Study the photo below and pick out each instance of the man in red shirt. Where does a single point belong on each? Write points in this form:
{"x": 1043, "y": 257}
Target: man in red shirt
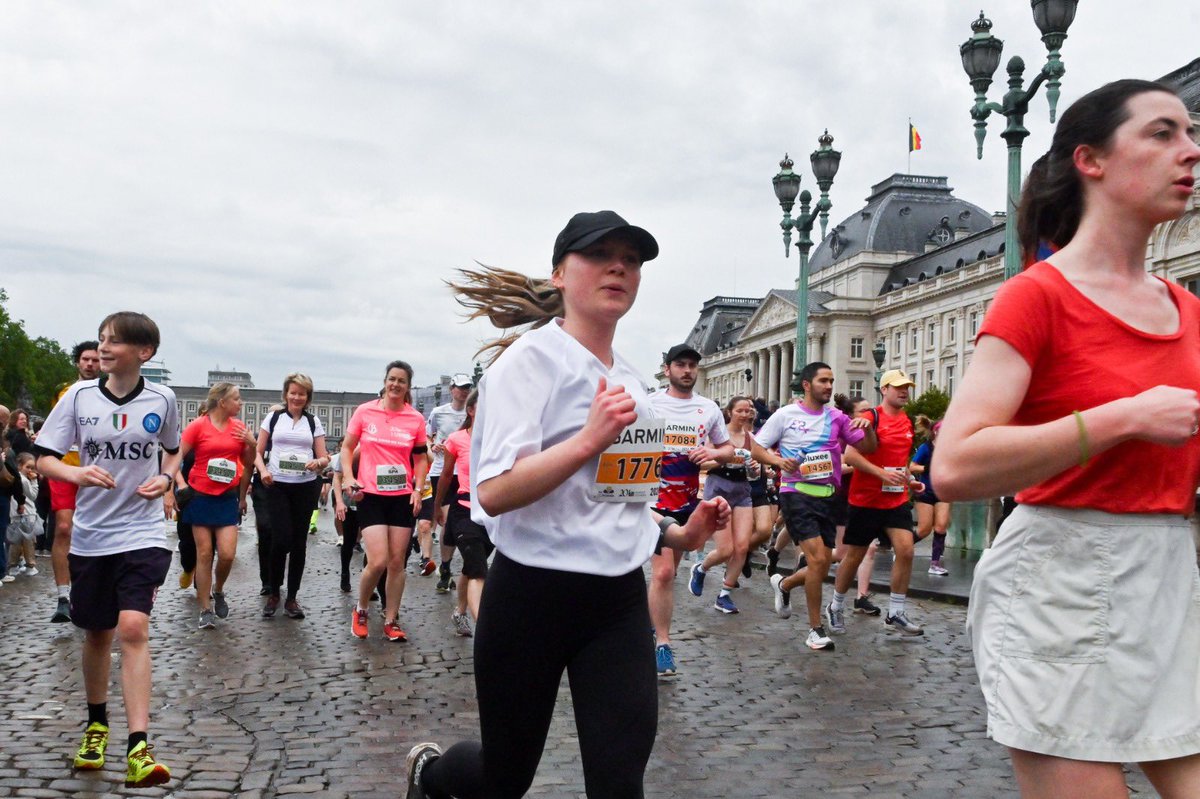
{"x": 879, "y": 505}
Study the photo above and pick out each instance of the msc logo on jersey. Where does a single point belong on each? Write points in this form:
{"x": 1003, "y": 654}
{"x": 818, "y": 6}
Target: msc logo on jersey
{"x": 125, "y": 451}
{"x": 120, "y": 421}
{"x": 151, "y": 422}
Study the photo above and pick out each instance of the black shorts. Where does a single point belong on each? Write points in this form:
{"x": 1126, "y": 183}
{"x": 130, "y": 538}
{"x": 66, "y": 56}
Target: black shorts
{"x": 377, "y": 509}
{"x": 472, "y": 541}
{"x": 841, "y": 508}
{"x": 864, "y": 525}
{"x": 680, "y": 516}
{"x": 104, "y": 585}
{"x": 426, "y": 513}
{"x": 808, "y": 517}
{"x": 928, "y": 498}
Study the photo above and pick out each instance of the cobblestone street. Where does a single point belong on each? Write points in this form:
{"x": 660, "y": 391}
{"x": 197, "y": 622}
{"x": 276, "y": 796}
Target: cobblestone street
{"x": 264, "y": 708}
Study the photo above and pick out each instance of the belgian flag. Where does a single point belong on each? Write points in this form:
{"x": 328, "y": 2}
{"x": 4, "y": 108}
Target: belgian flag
{"x": 914, "y": 138}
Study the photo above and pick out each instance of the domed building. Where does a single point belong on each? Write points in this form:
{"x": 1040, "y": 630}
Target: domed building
{"x": 910, "y": 276}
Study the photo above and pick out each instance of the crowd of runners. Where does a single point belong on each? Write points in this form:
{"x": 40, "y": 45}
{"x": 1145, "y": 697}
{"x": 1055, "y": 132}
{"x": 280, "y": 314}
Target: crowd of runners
{"x": 560, "y": 476}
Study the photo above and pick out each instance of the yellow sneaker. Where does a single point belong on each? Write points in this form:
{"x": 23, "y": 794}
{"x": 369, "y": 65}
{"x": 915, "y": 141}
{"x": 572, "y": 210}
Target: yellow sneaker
{"x": 143, "y": 770}
{"x": 91, "y": 752}
{"x": 185, "y": 580}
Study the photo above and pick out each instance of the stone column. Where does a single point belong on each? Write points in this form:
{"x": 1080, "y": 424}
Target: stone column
{"x": 773, "y": 379}
{"x": 787, "y": 356}
{"x": 760, "y": 373}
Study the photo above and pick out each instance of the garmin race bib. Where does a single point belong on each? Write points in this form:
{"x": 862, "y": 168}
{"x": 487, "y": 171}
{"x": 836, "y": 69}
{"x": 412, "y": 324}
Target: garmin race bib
{"x": 816, "y": 466}
{"x": 292, "y": 464}
{"x": 221, "y": 470}
{"x": 391, "y": 477}
{"x": 890, "y": 489}
{"x": 629, "y": 469}
{"x": 680, "y": 437}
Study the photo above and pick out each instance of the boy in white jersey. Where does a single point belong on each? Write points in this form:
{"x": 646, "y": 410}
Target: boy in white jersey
{"x": 119, "y": 554}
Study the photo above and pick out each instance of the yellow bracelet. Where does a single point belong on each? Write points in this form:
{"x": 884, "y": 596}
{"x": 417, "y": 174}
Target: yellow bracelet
{"x": 1085, "y": 450}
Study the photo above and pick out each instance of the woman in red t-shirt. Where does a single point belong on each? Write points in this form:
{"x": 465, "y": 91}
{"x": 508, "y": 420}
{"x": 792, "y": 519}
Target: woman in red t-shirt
{"x": 1082, "y": 397}
{"x": 218, "y": 480}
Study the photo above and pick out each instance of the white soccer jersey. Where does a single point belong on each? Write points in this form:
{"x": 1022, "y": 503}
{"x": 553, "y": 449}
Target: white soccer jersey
{"x": 443, "y": 421}
{"x": 123, "y": 437}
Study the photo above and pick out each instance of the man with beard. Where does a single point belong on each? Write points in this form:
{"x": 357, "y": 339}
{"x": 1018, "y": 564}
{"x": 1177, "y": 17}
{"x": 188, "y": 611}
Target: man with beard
{"x": 694, "y": 433}
{"x": 879, "y": 505}
{"x": 86, "y": 356}
{"x": 810, "y": 436}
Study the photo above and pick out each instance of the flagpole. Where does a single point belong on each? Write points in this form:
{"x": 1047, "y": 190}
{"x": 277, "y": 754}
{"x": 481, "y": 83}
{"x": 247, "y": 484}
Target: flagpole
{"x": 910, "y": 145}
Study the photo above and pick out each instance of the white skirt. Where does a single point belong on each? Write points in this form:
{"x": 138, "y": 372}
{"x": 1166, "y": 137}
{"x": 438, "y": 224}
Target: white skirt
{"x": 1085, "y": 627}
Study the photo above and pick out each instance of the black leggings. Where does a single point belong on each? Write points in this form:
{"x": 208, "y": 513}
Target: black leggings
{"x": 533, "y": 624}
{"x": 187, "y": 546}
{"x": 289, "y": 508}
{"x": 349, "y": 539}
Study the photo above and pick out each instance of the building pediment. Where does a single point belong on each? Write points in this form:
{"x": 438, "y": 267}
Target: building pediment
{"x": 774, "y": 312}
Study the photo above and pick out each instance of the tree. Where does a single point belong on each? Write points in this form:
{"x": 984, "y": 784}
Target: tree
{"x": 932, "y": 403}
{"x": 31, "y": 370}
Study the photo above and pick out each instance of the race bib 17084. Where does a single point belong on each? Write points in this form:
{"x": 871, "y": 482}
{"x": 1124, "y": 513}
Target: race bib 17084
{"x": 680, "y": 437}
{"x": 629, "y": 469}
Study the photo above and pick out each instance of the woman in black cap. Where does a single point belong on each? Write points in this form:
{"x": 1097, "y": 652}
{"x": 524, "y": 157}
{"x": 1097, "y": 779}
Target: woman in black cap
{"x": 563, "y": 466}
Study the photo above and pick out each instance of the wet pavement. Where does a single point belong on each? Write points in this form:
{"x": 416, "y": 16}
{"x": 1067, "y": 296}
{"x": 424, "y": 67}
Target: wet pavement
{"x": 267, "y": 708}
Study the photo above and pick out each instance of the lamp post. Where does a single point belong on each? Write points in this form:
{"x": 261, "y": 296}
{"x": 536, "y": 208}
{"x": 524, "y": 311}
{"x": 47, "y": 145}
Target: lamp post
{"x": 980, "y": 57}
{"x": 879, "y": 353}
{"x": 825, "y": 161}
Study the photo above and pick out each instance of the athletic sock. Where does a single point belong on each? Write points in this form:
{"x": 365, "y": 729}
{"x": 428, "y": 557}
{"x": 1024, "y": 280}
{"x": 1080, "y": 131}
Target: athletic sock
{"x": 700, "y": 568}
{"x": 725, "y": 590}
{"x": 98, "y": 713}
{"x": 839, "y": 600}
{"x": 64, "y": 591}
{"x": 896, "y": 604}
{"x": 136, "y": 738}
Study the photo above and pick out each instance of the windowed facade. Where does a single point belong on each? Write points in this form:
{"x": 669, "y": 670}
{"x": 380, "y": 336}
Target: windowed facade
{"x": 857, "y": 388}
{"x": 899, "y": 343}
{"x": 916, "y": 342}
{"x": 951, "y": 329}
{"x": 973, "y": 324}
{"x": 950, "y": 380}
{"x": 931, "y": 341}
{"x": 928, "y": 379}
{"x": 856, "y": 348}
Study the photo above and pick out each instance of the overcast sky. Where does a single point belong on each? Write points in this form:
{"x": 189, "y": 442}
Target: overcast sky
{"x": 287, "y": 185}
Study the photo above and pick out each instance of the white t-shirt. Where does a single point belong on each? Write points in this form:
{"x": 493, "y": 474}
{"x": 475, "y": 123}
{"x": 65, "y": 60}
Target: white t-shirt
{"x": 292, "y": 447}
{"x": 123, "y": 437}
{"x": 443, "y": 421}
{"x": 537, "y": 394}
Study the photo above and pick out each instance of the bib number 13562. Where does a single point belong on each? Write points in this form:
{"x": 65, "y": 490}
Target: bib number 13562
{"x": 629, "y": 469}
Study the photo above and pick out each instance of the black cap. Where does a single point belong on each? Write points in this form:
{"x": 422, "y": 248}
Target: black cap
{"x": 680, "y": 350}
{"x": 588, "y": 227}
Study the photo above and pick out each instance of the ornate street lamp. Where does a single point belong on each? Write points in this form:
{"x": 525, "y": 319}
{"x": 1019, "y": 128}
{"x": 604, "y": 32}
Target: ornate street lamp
{"x": 980, "y": 57}
{"x": 879, "y": 353}
{"x": 825, "y": 161}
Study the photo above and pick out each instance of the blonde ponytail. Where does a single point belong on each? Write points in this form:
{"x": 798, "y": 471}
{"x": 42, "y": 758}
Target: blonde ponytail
{"x": 509, "y": 300}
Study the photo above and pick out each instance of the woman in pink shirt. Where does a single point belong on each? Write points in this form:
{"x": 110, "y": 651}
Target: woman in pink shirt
{"x": 388, "y": 433}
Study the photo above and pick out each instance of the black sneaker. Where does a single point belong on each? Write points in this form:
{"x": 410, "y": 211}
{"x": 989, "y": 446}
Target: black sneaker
{"x": 864, "y": 605}
{"x": 418, "y": 758}
{"x": 220, "y": 605}
{"x": 266, "y": 591}
{"x": 443, "y": 583}
{"x": 345, "y": 585}
{"x": 62, "y": 613}
{"x": 772, "y": 562}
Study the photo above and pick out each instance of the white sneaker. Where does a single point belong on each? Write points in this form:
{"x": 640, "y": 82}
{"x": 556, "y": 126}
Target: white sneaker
{"x": 8, "y": 578}
{"x": 901, "y": 622}
{"x": 935, "y": 567}
{"x": 462, "y": 625}
{"x": 31, "y": 571}
{"x": 783, "y": 599}
{"x": 817, "y": 639}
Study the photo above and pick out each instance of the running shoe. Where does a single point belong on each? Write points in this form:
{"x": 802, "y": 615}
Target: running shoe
{"x": 392, "y": 632}
{"x": 31, "y": 571}
{"x": 936, "y": 568}
{"x": 144, "y": 770}
{"x": 696, "y": 583}
{"x": 62, "y": 613}
{"x": 900, "y": 622}
{"x": 8, "y": 578}
{"x": 783, "y": 599}
{"x": 293, "y": 610}
{"x": 220, "y": 606}
{"x": 358, "y": 623}
{"x": 418, "y": 758}
{"x": 772, "y": 562}
{"x": 269, "y": 608}
{"x": 208, "y": 620}
{"x": 185, "y": 580}
{"x": 91, "y": 752}
{"x": 345, "y": 586}
{"x": 428, "y": 567}
{"x": 725, "y": 604}
{"x": 864, "y": 605}
{"x": 817, "y": 639}
{"x": 443, "y": 584}
{"x": 835, "y": 620}
{"x": 665, "y": 660}
{"x": 266, "y": 591}
{"x": 462, "y": 624}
